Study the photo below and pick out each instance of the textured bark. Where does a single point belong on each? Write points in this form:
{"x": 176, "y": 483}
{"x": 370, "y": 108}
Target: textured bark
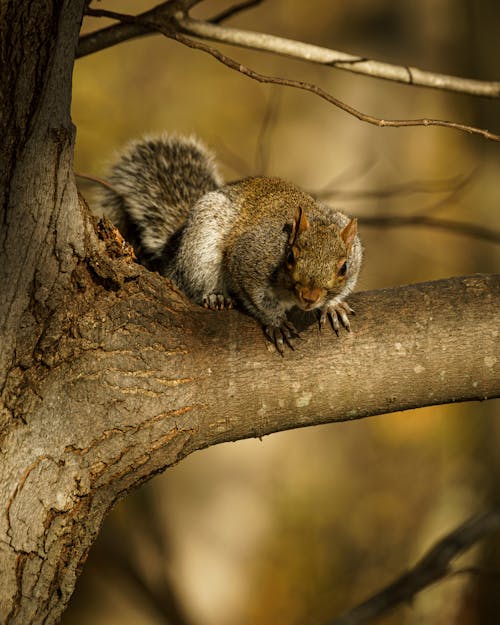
{"x": 108, "y": 375}
{"x": 41, "y": 232}
{"x": 137, "y": 378}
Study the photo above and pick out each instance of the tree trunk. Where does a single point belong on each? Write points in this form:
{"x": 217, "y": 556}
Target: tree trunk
{"x": 108, "y": 375}
{"x": 42, "y": 228}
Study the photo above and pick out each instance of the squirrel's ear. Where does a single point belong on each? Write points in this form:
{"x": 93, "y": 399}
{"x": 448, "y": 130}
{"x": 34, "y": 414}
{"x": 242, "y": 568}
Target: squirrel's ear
{"x": 299, "y": 225}
{"x": 349, "y": 232}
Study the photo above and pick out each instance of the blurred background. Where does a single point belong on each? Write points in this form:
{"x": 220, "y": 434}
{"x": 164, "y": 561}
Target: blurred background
{"x": 298, "y": 527}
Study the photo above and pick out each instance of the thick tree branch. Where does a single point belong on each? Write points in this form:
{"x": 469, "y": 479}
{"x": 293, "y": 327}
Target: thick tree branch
{"x": 433, "y": 566}
{"x": 130, "y": 378}
{"x": 108, "y": 375}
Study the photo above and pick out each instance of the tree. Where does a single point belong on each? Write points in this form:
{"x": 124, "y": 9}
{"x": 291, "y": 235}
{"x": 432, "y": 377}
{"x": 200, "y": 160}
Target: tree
{"x": 109, "y": 375}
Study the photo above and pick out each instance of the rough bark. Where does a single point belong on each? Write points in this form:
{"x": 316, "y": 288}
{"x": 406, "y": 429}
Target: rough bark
{"x": 108, "y": 375}
{"x": 137, "y": 378}
{"x": 41, "y": 232}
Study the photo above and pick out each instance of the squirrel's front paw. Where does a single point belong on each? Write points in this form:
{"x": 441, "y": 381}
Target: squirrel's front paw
{"x": 337, "y": 314}
{"x": 217, "y": 301}
{"x": 282, "y": 335}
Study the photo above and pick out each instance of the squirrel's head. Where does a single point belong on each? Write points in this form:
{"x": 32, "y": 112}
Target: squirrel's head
{"x": 317, "y": 259}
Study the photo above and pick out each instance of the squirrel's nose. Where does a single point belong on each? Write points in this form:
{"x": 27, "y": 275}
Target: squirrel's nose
{"x": 310, "y": 295}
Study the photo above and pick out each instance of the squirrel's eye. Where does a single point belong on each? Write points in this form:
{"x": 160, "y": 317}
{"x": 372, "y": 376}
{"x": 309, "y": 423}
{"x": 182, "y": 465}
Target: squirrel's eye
{"x": 290, "y": 259}
{"x": 343, "y": 269}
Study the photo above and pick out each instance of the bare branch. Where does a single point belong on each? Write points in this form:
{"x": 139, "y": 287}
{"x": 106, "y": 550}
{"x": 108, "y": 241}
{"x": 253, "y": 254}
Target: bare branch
{"x": 189, "y": 4}
{"x": 282, "y": 46}
{"x": 233, "y": 160}
{"x": 434, "y": 565}
{"x": 339, "y": 60}
{"x": 169, "y": 31}
{"x": 413, "y": 187}
{"x": 157, "y": 22}
{"x": 262, "y": 154}
{"x": 458, "y": 227}
{"x": 237, "y": 8}
{"x": 422, "y": 218}
{"x": 129, "y": 27}
{"x": 96, "y": 180}
{"x": 307, "y": 86}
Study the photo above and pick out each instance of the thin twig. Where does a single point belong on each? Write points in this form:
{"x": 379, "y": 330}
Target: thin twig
{"x": 262, "y": 155}
{"x": 307, "y": 86}
{"x": 478, "y": 571}
{"x": 279, "y": 45}
{"x": 434, "y": 566}
{"x": 230, "y": 11}
{"x": 96, "y": 180}
{"x": 129, "y": 27}
{"x": 453, "y": 195}
{"x": 474, "y": 231}
{"x": 169, "y": 31}
{"x": 233, "y": 160}
{"x": 403, "y": 189}
{"x": 339, "y": 60}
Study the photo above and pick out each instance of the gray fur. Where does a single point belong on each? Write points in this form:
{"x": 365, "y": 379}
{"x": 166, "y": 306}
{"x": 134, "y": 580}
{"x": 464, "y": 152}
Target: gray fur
{"x": 199, "y": 267}
{"x": 157, "y": 180}
{"x": 220, "y": 243}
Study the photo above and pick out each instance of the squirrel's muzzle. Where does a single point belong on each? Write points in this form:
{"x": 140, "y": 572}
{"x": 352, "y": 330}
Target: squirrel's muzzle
{"x": 309, "y": 297}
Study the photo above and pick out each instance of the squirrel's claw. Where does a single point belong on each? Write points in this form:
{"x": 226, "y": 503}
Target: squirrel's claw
{"x": 217, "y": 301}
{"x": 337, "y": 314}
{"x": 282, "y": 335}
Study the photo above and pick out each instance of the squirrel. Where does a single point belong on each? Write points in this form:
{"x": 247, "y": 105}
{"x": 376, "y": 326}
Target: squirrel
{"x": 260, "y": 243}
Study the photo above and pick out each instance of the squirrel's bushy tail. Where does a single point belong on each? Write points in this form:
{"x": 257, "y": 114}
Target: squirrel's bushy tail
{"x": 156, "y": 181}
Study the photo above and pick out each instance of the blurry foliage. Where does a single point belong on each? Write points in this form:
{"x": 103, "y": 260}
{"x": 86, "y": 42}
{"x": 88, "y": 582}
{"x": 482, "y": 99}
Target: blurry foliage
{"x": 300, "y": 526}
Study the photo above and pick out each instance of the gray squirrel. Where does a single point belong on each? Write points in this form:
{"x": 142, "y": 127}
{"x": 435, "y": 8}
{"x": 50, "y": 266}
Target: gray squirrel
{"x": 260, "y": 242}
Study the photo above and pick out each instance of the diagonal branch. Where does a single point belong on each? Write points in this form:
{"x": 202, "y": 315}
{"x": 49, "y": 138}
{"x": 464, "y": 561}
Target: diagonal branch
{"x": 233, "y": 10}
{"x": 454, "y": 184}
{"x": 311, "y": 87}
{"x": 338, "y": 60}
{"x": 472, "y": 230}
{"x": 432, "y": 567}
{"x": 129, "y": 27}
{"x": 278, "y": 45}
{"x": 170, "y": 31}
{"x": 169, "y": 28}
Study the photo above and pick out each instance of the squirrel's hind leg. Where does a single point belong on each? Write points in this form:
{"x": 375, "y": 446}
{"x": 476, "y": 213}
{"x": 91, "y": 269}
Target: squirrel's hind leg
{"x": 199, "y": 269}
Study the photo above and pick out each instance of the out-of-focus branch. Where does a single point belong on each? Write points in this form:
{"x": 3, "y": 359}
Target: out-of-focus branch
{"x": 454, "y": 184}
{"x": 475, "y": 231}
{"x": 434, "y": 565}
{"x": 237, "y": 8}
{"x": 268, "y": 122}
